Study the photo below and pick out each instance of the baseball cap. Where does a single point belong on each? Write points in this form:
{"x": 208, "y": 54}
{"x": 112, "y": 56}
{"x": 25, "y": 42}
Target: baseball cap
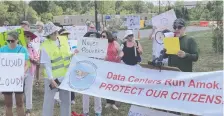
{"x": 25, "y": 22}
{"x": 179, "y": 23}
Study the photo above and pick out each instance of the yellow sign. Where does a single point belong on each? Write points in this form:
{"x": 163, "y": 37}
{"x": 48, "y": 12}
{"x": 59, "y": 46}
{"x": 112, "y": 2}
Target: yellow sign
{"x": 172, "y": 45}
{"x": 142, "y": 22}
{"x": 4, "y": 35}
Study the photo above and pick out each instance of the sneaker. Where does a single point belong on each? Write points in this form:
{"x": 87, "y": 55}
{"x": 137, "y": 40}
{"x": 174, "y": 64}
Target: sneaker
{"x": 107, "y": 105}
{"x": 73, "y": 102}
{"x": 97, "y": 114}
{"x": 114, "y": 107}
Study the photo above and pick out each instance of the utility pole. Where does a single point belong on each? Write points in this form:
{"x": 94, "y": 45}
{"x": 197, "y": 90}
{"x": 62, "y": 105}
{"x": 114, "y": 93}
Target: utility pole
{"x": 96, "y": 16}
{"x": 159, "y": 6}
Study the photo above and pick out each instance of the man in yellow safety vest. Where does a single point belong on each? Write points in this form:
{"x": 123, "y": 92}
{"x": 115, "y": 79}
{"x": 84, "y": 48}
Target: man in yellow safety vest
{"x": 55, "y": 55}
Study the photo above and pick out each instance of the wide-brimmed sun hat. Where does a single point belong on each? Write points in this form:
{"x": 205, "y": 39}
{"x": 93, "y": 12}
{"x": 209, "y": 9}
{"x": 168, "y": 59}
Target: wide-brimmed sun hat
{"x": 50, "y": 28}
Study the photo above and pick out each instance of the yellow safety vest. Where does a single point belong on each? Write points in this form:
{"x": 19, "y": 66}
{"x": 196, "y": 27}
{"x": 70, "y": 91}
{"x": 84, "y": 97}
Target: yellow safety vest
{"x": 60, "y": 56}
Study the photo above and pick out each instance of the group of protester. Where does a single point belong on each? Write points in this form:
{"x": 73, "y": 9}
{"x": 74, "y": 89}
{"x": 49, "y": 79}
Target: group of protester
{"x": 55, "y": 56}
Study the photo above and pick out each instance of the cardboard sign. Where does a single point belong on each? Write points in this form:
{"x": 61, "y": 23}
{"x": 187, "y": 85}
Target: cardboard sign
{"x": 164, "y": 20}
{"x": 93, "y": 47}
{"x": 143, "y": 111}
{"x": 133, "y": 22}
{"x": 12, "y": 72}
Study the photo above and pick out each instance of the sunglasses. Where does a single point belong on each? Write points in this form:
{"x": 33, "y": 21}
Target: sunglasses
{"x": 130, "y": 36}
{"x": 10, "y": 41}
{"x": 177, "y": 27}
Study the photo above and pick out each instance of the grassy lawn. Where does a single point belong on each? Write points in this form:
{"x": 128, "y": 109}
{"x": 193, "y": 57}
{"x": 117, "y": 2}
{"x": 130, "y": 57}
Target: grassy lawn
{"x": 208, "y": 61}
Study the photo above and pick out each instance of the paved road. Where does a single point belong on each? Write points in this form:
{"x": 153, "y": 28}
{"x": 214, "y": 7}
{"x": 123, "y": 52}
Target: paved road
{"x": 145, "y": 33}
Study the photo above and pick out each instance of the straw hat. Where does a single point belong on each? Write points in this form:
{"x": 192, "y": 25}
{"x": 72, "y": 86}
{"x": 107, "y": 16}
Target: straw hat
{"x": 50, "y": 28}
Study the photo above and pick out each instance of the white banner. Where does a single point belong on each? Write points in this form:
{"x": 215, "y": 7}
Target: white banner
{"x": 12, "y": 72}
{"x": 197, "y": 93}
{"x": 143, "y": 111}
{"x": 93, "y": 47}
{"x": 164, "y": 20}
{"x": 76, "y": 31}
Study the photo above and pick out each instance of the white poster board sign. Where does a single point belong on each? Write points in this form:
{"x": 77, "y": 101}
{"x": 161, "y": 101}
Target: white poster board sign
{"x": 76, "y": 31}
{"x": 143, "y": 111}
{"x": 164, "y": 20}
{"x": 73, "y": 45}
{"x": 12, "y": 72}
{"x": 133, "y": 22}
{"x": 93, "y": 47}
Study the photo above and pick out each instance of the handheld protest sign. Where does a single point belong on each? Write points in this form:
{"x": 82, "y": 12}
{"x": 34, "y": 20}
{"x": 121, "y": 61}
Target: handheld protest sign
{"x": 172, "y": 45}
{"x": 22, "y": 40}
{"x": 4, "y": 36}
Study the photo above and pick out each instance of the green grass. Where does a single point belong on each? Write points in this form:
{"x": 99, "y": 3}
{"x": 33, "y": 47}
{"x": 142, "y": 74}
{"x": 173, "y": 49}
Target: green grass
{"x": 208, "y": 61}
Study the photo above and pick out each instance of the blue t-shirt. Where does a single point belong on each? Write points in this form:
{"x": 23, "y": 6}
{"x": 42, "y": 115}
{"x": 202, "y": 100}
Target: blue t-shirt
{"x": 17, "y": 49}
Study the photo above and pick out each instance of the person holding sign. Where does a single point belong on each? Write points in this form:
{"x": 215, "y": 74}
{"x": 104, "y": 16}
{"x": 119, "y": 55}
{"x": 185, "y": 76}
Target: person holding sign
{"x": 14, "y": 47}
{"x": 132, "y": 49}
{"x": 85, "y": 98}
{"x": 188, "y": 48}
{"x": 114, "y": 54}
{"x": 34, "y": 59}
{"x": 55, "y": 56}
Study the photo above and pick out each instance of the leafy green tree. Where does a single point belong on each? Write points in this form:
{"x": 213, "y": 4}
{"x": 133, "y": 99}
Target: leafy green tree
{"x": 55, "y": 9}
{"x": 39, "y": 6}
{"x": 45, "y": 17}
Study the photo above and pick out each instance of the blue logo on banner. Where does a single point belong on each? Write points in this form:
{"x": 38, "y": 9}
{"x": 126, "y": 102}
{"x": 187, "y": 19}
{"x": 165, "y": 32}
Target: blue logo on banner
{"x": 83, "y": 75}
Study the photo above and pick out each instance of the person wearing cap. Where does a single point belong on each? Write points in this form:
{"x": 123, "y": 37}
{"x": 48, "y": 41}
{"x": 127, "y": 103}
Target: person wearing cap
{"x": 55, "y": 56}
{"x": 14, "y": 47}
{"x": 132, "y": 49}
{"x": 34, "y": 58}
{"x": 25, "y": 25}
{"x": 119, "y": 41}
{"x": 188, "y": 48}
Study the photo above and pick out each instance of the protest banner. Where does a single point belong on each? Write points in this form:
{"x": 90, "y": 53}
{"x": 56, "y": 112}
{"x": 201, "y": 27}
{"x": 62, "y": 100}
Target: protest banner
{"x": 164, "y": 20}
{"x": 185, "y": 92}
{"x": 12, "y": 72}
{"x": 92, "y": 47}
{"x": 143, "y": 111}
{"x": 76, "y": 31}
{"x": 133, "y": 22}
